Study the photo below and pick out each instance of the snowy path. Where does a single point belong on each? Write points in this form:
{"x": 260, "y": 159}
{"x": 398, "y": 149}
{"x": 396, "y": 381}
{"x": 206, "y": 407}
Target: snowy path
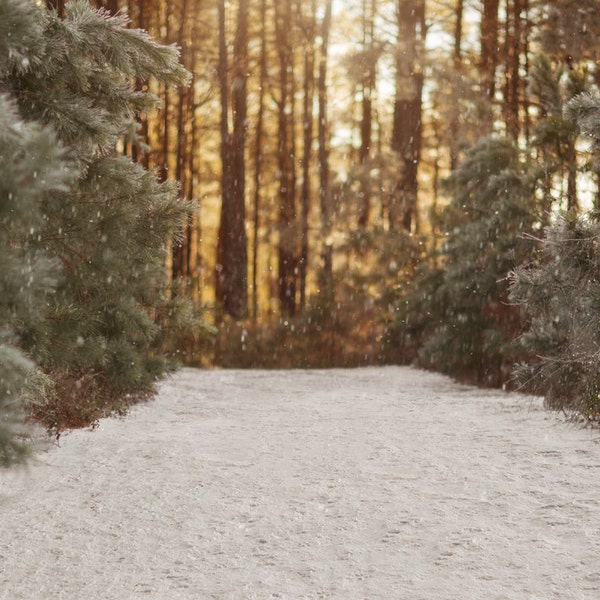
{"x": 360, "y": 484}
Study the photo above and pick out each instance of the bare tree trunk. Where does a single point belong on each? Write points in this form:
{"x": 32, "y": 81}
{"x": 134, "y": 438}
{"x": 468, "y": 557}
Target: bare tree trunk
{"x": 489, "y": 46}
{"x": 221, "y": 276}
{"x": 238, "y": 306}
{"x": 179, "y": 249}
{"x": 112, "y": 6}
{"x": 287, "y": 251}
{"x": 526, "y": 42}
{"x": 307, "y": 126}
{"x": 368, "y": 89}
{"x": 232, "y": 258}
{"x": 324, "y": 188}
{"x": 258, "y": 159}
{"x": 513, "y": 83}
{"x": 457, "y": 60}
{"x": 407, "y": 127}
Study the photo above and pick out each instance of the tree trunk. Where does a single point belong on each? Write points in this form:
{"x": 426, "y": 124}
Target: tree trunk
{"x": 368, "y": 89}
{"x": 324, "y": 190}
{"x": 513, "y": 83}
{"x": 221, "y": 276}
{"x": 179, "y": 248}
{"x": 287, "y": 251}
{"x": 258, "y": 158}
{"x": 489, "y": 46}
{"x": 307, "y": 127}
{"x": 457, "y": 60}
{"x": 232, "y": 268}
{"x": 407, "y": 126}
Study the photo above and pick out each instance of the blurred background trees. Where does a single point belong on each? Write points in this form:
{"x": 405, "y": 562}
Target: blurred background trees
{"x": 372, "y": 179}
{"x": 400, "y": 158}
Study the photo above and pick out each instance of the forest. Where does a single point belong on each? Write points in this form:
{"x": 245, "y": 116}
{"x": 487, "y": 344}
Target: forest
{"x": 295, "y": 184}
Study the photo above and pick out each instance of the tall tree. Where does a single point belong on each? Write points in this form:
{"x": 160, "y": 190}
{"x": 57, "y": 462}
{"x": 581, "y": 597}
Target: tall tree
{"x": 513, "y": 80}
{"x": 308, "y": 23}
{"x": 407, "y": 126}
{"x": 457, "y": 59}
{"x": 490, "y": 49}
{"x": 324, "y": 183}
{"x": 33, "y": 166}
{"x": 258, "y": 156}
{"x": 368, "y": 89}
{"x": 179, "y": 251}
{"x": 560, "y": 293}
{"x": 232, "y": 267}
{"x": 287, "y": 218}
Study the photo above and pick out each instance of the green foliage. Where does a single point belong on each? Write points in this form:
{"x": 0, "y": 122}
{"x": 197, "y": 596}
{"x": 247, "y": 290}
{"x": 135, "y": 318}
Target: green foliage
{"x": 562, "y": 294}
{"x": 583, "y": 109}
{"x": 92, "y": 227}
{"x": 456, "y": 315}
{"x": 32, "y": 165}
{"x": 455, "y": 311}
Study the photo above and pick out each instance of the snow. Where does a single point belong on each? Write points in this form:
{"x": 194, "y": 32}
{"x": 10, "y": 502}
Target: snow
{"x": 375, "y": 483}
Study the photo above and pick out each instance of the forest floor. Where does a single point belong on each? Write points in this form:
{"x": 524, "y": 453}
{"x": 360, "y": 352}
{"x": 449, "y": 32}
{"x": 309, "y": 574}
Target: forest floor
{"x": 374, "y": 483}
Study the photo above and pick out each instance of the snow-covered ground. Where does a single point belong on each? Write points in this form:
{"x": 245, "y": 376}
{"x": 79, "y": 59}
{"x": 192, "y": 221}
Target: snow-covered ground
{"x": 376, "y": 483}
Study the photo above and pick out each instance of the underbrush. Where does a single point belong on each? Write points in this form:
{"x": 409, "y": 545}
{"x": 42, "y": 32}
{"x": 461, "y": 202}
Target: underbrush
{"x": 77, "y": 400}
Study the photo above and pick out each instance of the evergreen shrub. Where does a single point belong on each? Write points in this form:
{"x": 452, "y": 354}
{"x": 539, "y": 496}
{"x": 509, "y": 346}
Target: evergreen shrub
{"x": 455, "y": 314}
{"x": 103, "y": 238}
{"x": 561, "y": 293}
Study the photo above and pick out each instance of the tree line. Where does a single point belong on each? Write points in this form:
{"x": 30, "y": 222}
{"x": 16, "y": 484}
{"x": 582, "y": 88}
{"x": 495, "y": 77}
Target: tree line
{"x": 371, "y": 177}
{"x": 295, "y": 183}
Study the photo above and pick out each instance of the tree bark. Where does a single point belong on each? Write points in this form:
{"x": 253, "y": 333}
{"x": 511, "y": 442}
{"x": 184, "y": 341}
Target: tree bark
{"x": 368, "y": 89}
{"x": 513, "y": 83}
{"x": 307, "y": 127}
{"x": 232, "y": 268}
{"x": 324, "y": 187}
{"x": 457, "y": 60}
{"x": 287, "y": 250}
{"x": 258, "y": 158}
{"x": 407, "y": 126}
{"x": 489, "y": 46}
{"x": 179, "y": 251}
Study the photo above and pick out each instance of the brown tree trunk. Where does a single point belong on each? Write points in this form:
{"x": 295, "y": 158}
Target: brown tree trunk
{"x": 457, "y": 60}
{"x": 307, "y": 127}
{"x": 324, "y": 187}
{"x": 112, "y": 6}
{"x": 179, "y": 249}
{"x": 223, "y": 252}
{"x": 368, "y": 89}
{"x": 258, "y": 158}
{"x": 407, "y": 126}
{"x": 513, "y": 83}
{"x": 489, "y": 46}
{"x": 232, "y": 268}
{"x": 287, "y": 250}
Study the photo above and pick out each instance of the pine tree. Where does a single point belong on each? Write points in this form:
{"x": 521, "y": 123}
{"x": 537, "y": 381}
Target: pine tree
{"x": 562, "y": 296}
{"x": 456, "y": 310}
{"x": 32, "y": 165}
{"x": 106, "y": 234}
